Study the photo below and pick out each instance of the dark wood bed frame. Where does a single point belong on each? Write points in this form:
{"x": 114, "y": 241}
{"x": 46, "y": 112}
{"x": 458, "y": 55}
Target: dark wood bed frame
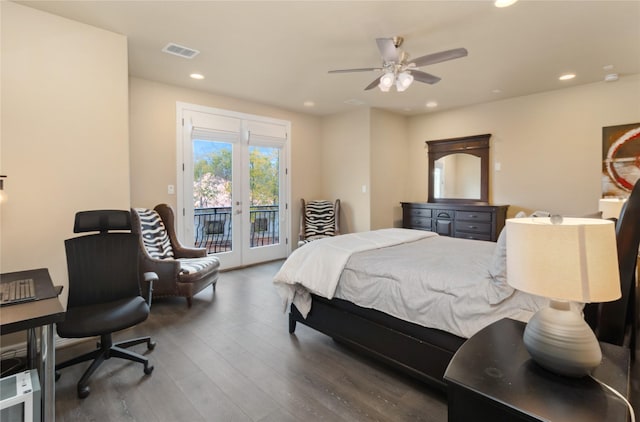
{"x": 424, "y": 353}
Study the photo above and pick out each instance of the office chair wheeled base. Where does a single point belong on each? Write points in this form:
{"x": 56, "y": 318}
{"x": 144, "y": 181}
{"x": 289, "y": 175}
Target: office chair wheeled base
{"x": 106, "y": 350}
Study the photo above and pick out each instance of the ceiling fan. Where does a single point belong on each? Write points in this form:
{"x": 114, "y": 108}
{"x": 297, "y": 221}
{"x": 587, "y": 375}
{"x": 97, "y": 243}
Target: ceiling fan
{"x": 399, "y": 69}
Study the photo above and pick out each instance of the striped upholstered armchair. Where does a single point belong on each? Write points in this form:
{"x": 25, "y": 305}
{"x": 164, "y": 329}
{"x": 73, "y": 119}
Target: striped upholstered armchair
{"x": 181, "y": 271}
{"x": 318, "y": 219}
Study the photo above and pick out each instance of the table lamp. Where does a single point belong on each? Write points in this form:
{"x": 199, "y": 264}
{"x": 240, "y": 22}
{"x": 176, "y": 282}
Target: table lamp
{"x": 565, "y": 260}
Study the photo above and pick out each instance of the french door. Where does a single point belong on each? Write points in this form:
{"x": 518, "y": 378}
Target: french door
{"x": 233, "y": 187}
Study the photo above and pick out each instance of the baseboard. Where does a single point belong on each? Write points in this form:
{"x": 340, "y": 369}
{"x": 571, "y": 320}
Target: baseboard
{"x": 20, "y": 349}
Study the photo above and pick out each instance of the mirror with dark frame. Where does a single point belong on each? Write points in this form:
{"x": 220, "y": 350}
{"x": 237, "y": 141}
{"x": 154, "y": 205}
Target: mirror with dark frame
{"x": 459, "y": 170}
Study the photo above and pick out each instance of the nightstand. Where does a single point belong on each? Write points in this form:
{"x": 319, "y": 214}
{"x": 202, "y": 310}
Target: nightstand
{"x": 492, "y": 378}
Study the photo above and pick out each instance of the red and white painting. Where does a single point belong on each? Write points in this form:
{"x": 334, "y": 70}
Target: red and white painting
{"x": 620, "y": 159}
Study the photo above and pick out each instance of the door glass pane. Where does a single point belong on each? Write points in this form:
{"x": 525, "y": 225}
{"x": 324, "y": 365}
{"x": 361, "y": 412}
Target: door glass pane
{"x": 264, "y": 184}
{"x": 212, "y": 195}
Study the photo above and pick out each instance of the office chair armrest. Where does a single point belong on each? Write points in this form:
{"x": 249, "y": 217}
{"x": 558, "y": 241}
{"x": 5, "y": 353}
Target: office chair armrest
{"x": 149, "y": 278}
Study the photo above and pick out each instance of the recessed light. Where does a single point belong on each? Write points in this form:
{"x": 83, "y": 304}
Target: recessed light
{"x": 496, "y": 91}
{"x": 432, "y": 104}
{"x": 196, "y": 76}
{"x": 308, "y": 104}
{"x": 567, "y": 76}
{"x": 611, "y": 77}
{"x": 504, "y": 3}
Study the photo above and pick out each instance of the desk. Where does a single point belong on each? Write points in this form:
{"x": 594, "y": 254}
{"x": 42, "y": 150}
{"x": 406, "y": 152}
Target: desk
{"x": 29, "y": 316}
{"x": 492, "y": 378}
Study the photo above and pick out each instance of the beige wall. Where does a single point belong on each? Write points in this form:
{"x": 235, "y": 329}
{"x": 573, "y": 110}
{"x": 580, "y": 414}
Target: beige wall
{"x": 549, "y": 145}
{"x": 153, "y": 142}
{"x": 64, "y": 137}
{"x": 345, "y": 161}
{"x": 65, "y": 141}
{"x": 389, "y": 155}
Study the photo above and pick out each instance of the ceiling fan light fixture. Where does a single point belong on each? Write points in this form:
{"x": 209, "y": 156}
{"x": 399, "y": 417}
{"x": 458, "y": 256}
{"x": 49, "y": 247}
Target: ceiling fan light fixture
{"x": 405, "y": 79}
{"x": 398, "y": 70}
{"x": 386, "y": 81}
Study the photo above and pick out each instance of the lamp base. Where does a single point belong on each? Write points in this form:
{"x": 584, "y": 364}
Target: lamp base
{"x": 559, "y": 339}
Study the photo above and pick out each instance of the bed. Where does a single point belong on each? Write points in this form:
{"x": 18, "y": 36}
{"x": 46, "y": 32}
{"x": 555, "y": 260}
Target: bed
{"x": 424, "y": 349}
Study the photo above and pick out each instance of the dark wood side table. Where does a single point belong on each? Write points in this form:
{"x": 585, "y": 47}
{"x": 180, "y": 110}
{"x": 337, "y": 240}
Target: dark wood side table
{"x": 492, "y": 378}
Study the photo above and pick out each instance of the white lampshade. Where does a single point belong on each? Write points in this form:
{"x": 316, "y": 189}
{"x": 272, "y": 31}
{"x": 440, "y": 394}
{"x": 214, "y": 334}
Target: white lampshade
{"x": 404, "y": 80}
{"x": 576, "y": 260}
{"x": 386, "y": 81}
{"x": 611, "y": 207}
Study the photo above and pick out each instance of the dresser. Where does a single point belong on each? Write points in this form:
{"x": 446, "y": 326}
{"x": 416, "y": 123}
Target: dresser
{"x": 477, "y": 221}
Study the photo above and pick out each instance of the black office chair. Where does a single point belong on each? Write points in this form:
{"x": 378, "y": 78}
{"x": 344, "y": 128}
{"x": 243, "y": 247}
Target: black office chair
{"x": 104, "y": 290}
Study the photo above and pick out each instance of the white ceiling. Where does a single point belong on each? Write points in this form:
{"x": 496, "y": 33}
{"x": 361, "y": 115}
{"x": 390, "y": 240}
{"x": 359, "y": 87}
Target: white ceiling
{"x": 278, "y": 53}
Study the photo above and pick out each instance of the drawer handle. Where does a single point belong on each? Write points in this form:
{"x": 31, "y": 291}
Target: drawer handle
{"x": 473, "y": 227}
{"x": 473, "y": 216}
{"x": 443, "y": 214}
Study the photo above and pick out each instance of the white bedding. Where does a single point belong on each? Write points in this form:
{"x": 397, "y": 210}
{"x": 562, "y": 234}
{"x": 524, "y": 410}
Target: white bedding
{"x": 316, "y": 267}
{"x": 439, "y": 282}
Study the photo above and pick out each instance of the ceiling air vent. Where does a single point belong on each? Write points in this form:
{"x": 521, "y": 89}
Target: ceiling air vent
{"x": 179, "y": 50}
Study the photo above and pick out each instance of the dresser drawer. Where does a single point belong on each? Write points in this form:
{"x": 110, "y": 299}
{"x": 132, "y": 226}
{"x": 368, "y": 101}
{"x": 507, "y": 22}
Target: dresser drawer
{"x": 473, "y": 216}
{"x": 423, "y": 223}
{"x": 419, "y": 212}
{"x": 473, "y": 227}
{"x": 444, "y": 213}
{"x": 474, "y": 236}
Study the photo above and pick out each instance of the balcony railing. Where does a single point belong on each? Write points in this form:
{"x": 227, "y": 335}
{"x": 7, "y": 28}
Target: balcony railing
{"x": 212, "y": 227}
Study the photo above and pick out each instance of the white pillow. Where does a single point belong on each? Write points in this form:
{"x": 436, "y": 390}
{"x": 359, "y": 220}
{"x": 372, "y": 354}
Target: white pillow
{"x": 499, "y": 289}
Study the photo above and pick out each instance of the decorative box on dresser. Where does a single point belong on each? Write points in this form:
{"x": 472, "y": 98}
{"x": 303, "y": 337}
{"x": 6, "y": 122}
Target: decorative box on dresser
{"x": 468, "y": 221}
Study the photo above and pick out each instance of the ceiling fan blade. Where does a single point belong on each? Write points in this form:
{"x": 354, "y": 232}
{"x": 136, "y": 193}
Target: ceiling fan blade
{"x": 425, "y": 77}
{"x": 364, "y": 69}
{"x": 388, "y": 49}
{"x": 374, "y": 84}
{"x": 442, "y": 56}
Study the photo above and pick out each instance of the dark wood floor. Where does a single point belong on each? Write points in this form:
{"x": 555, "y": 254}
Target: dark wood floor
{"x": 231, "y": 358}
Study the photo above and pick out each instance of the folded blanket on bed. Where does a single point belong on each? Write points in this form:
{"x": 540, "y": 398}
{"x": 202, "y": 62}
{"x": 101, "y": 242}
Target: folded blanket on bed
{"x": 316, "y": 266}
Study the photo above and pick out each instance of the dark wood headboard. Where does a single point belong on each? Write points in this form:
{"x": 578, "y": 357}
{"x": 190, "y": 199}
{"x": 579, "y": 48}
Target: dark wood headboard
{"x": 615, "y": 322}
